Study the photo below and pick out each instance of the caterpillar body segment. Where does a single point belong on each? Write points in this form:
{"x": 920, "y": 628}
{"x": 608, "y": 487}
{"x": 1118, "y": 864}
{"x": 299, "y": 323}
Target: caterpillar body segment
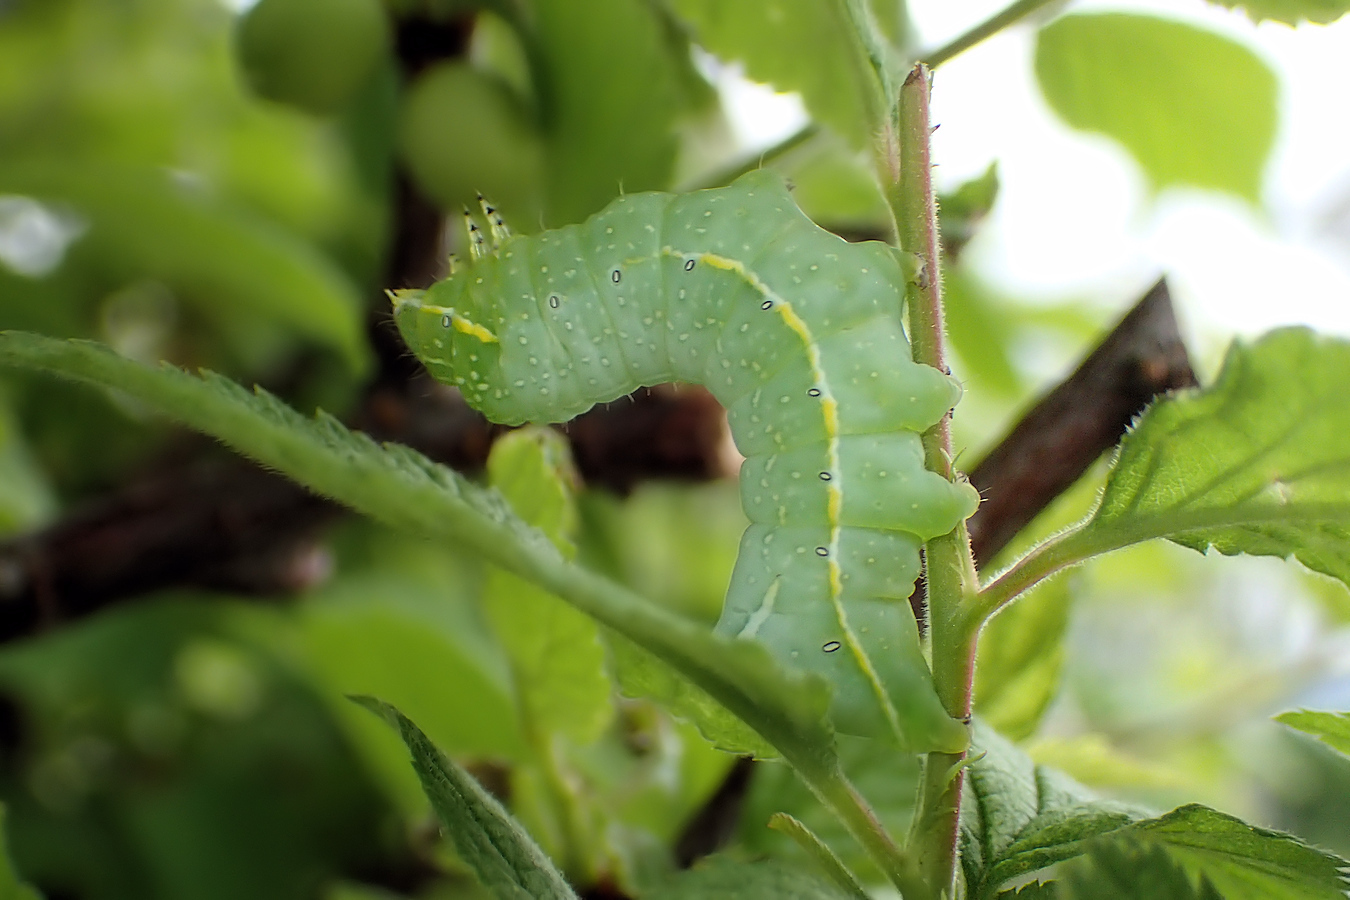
{"x": 796, "y": 333}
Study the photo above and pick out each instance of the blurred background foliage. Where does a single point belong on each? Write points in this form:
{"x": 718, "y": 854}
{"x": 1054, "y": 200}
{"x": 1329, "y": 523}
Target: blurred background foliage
{"x": 230, "y": 188}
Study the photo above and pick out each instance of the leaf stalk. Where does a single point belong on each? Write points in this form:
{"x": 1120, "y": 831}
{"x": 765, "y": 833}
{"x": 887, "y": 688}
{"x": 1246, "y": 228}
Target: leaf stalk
{"x": 989, "y": 27}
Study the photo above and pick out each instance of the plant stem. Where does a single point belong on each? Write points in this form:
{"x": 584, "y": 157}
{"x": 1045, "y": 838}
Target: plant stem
{"x": 725, "y": 176}
{"x": 951, "y": 577}
{"x": 991, "y": 26}
{"x": 837, "y": 793}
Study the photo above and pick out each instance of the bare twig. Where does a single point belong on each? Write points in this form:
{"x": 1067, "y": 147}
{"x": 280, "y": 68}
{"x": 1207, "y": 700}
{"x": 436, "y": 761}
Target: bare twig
{"x": 1079, "y": 420}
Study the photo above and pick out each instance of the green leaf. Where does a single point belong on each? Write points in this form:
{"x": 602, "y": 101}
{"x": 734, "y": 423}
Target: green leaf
{"x": 1193, "y": 108}
{"x": 1018, "y": 817}
{"x": 404, "y": 489}
{"x": 1127, "y": 870}
{"x": 1259, "y": 463}
{"x": 1331, "y": 728}
{"x": 720, "y": 878}
{"x": 1020, "y": 654}
{"x": 1291, "y": 12}
{"x": 810, "y": 46}
{"x": 604, "y": 134}
{"x": 142, "y": 225}
{"x": 819, "y": 851}
{"x": 1244, "y": 862}
{"x": 557, "y": 659}
{"x": 492, "y": 843}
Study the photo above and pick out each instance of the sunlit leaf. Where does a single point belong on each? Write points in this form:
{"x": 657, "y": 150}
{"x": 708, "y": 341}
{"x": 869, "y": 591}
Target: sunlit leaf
{"x": 1191, "y": 106}
{"x": 809, "y": 47}
{"x": 1291, "y": 12}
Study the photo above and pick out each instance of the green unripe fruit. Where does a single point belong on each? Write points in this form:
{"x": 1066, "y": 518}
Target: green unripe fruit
{"x": 313, "y": 54}
{"x": 463, "y": 131}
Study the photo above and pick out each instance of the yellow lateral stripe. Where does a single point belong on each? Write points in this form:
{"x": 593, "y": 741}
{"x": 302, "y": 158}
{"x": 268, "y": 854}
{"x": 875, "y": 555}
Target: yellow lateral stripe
{"x": 830, "y": 407}
{"x": 458, "y": 321}
{"x": 464, "y": 326}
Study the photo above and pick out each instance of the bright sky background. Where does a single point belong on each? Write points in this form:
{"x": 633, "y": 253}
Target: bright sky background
{"x": 1073, "y": 220}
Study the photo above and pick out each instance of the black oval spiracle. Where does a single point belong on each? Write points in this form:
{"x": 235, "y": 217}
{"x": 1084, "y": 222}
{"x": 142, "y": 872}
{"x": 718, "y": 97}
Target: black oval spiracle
{"x": 767, "y": 304}
{"x": 689, "y": 265}
{"x": 822, "y": 551}
{"x": 825, "y": 476}
{"x": 445, "y": 321}
{"x": 615, "y": 276}
{"x": 813, "y": 392}
{"x": 831, "y": 646}
{"x": 553, "y": 301}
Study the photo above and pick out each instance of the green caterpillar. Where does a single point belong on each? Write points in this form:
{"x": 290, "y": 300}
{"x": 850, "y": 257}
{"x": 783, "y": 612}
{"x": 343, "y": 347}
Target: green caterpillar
{"x": 797, "y": 334}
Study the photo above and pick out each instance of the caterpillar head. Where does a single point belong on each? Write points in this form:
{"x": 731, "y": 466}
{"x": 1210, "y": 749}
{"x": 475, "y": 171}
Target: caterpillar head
{"x": 440, "y": 328}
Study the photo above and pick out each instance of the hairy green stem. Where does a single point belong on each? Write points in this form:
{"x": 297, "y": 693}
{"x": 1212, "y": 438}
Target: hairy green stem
{"x": 951, "y": 578}
{"x": 991, "y": 26}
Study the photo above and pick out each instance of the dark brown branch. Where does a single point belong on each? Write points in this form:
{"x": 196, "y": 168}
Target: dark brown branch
{"x": 1086, "y": 415}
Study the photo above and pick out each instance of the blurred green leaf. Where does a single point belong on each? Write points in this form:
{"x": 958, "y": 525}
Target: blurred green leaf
{"x": 604, "y": 135}
{"x": 11, "y": 885}
{"x": 401, "y": 487}
{"x": 1193, "y": 108}
{"x": 504, "y": 857}
{"x": 1094, "y": 761}
{"x": 674, "y": 543}
{"x": 1021, "y": 652}
{"x": 312, "y": 54}
{"x": 399, "y": 618}
{"x": 808, "y": 46}
{"x": 555, "y": 651}
{"x": 721, "y": 878}
{"x": 1258, "y": 463}
{"x": 463, "y": 132}
{"x": 226, "y": 261}
{"x": 1331, "y": 728}
{"x": 964, "y": 208}
{"x": 26, "y": 499}
{"x": 1290, "y": 12}
{"x": 212, "y": 800}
